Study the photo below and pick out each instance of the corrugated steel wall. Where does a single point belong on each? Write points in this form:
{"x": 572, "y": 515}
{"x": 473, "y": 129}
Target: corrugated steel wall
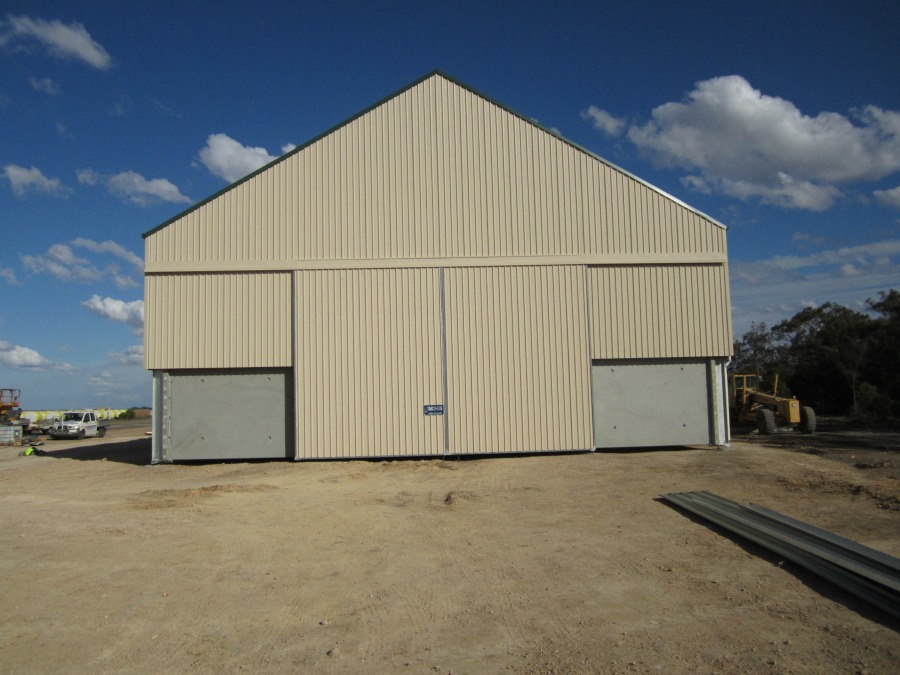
{"x": 627, "y": 217}
{"x": 518, "y": 363}
{"x": 217, "y": 321}
{"x": 366, "y": 216}
{"x": 660, "y": 311}
{"x": 437, "y": 172}
{"x": 368, "y": 361}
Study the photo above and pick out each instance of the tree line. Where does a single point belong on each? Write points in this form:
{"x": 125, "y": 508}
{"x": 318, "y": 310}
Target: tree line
{"x": 835, "y": 359}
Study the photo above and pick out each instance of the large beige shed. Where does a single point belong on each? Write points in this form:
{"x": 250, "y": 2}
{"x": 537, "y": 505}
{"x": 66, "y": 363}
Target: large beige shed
{"x": 435, "y": 276}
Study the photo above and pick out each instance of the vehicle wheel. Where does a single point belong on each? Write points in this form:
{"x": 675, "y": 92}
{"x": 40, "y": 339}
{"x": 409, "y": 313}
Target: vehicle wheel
{"x": 101, "y": 432}
{"x": 765, "y": 421}
{"x": 807, "y": 420}
{"x": 81, "y": 434}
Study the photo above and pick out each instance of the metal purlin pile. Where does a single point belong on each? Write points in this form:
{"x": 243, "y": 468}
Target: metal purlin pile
{"x": 869, "y": 574}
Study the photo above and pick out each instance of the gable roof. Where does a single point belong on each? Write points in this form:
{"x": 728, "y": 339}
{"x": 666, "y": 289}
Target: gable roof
{"x": 399, "y": 92}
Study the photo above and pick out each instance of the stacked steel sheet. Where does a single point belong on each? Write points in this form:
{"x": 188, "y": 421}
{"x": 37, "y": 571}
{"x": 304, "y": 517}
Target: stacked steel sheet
{"x": 865, "y": 572}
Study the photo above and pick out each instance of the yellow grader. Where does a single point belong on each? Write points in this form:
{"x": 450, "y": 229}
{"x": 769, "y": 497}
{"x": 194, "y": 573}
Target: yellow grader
{"x": 767, "y": 411}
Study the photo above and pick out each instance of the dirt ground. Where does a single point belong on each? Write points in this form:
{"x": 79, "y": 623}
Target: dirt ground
{"x": 560, "y": 563}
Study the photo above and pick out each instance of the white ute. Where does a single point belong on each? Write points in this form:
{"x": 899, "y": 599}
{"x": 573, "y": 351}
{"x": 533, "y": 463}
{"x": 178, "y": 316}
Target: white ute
{"x": 77, "y": 424}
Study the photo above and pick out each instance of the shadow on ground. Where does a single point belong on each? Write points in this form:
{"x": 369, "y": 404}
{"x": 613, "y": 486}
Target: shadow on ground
{"x": 810, "y": 579}
{"x": 137, "y": 452}
{"x": 831, "y": 434}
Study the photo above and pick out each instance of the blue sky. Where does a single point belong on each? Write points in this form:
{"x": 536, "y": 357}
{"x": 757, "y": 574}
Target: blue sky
{"x": 779, "y": 119}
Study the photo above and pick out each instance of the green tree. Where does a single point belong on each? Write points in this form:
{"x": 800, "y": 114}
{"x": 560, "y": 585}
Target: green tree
{"x": 826, "y": 350}
{"x": 760, "y": 351}
{"x": 835, "y": 359}
{"x": 888, "y": 306}
{"x": 882, "y": 371}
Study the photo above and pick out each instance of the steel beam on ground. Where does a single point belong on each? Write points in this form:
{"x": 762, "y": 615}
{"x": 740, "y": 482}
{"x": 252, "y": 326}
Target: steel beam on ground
{"x": 867, "y": 573}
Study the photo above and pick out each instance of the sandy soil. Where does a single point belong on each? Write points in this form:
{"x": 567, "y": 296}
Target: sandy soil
{"x": 561, "y": 563}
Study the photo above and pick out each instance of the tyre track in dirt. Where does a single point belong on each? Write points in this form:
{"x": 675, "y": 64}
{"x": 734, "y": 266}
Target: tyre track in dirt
{"x": 536, "y": 563}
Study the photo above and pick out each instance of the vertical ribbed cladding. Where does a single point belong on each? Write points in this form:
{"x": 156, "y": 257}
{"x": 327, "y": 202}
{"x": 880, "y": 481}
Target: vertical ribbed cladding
{"x": 517, "y": 359}
{"x": 368, "y": 360}
{"x": 218, "y": 321}
{"x": 659, "y": 311}
{"x": 437, "y": 171}
{"x": 624, "y": 216}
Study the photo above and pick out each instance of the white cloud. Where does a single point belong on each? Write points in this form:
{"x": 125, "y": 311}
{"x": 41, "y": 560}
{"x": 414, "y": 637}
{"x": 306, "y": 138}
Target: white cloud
{"x": 163, "y": 109}
{"x": 112, "y": 247}
{"x": 287, "y": 148}
{"x": 17, "y": 356}
{"x": 121, "y": 280}
{"x": 807, "y": 237}
{"x": 25, "y": 180}
{"x": 45, "y": 85}
{"x": 9, "y": 275}
{"x": 133, "y": 356}
{"x": 101, "y": 379}
{"x": 133, "y": 187}
{"x": 697, "y": 184}
{"x": 61, "y": 262}
{"x": 88, "y": 177}
{"x": 776, "y": 288}
{"x": 130, "y": 313}
{"x": 228, "y": 159}
{"x": 746, "y": 144}
{"x": 602, "y": 120}
{"x": 61, "y": 41}
{"x": 888, "y": 197}
{"x": 786, "y": 192}
{"x": 121, "y": 106}
{"x": 866, "y": 254}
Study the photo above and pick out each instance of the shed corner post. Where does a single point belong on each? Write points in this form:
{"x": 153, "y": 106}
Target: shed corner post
{"x": 156, "y": 424}
{"x": 160, "y": 433}
{"x": 718, "y": 403}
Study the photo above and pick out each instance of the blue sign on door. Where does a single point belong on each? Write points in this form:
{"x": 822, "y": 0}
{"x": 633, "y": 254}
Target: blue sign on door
{"x": 434, "y": 409}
